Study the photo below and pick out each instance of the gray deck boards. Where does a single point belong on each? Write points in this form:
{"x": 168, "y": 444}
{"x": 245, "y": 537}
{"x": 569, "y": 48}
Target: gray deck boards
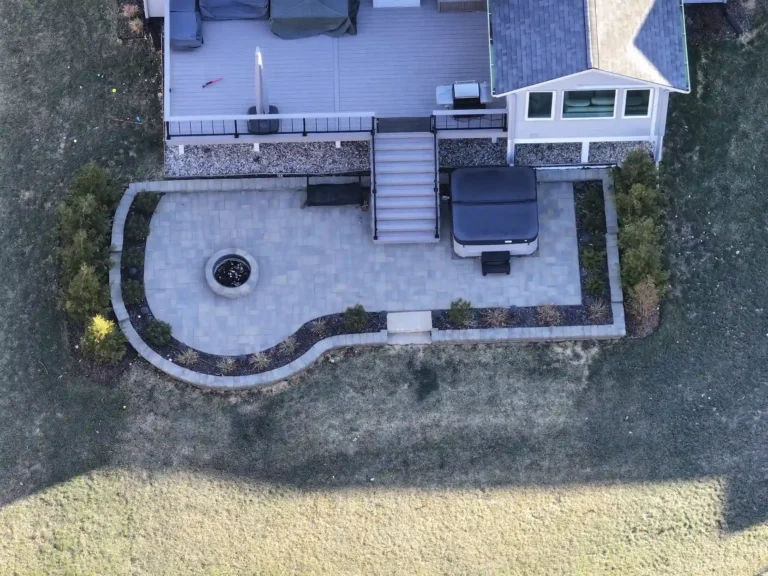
{"x": 391, "y": 68}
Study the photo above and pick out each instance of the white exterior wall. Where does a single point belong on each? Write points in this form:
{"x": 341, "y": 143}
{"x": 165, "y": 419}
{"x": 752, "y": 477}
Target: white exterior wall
{"x": 559, "y": 129}
{"x": 154, "y": 8}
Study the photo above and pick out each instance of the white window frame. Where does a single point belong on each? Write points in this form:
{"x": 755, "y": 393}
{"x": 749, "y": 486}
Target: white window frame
{"x": 552, "y": 110}
{"x": 615, "y": 102}
{"x": 651, "y": 103}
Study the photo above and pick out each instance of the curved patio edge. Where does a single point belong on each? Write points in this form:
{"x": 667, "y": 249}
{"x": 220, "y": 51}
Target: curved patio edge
{"x": 190, "y": 376}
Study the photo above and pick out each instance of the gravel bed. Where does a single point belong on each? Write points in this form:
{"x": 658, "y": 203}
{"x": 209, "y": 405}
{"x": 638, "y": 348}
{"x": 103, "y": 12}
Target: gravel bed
{"x": 615, "y": 152}
{"x": 472, "y": 152}
{"x": 281, "y": 158}
{"x": 548, "y": 154}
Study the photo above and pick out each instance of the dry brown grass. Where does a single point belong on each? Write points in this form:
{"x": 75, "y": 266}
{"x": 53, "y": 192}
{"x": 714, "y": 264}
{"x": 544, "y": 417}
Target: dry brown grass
{"x": 319, "y": 328}
{"x": 118, "y": 522}
{"x": 495, "y": 317}
{"x": 259, "y": 360}
{"x": 288, "y": 346}
{"x": 188, "y": 357}
{"x": 136, "y": 25}
{"x": 548, "y": 315}
{"x": 598, "y": 310}
{"x": 130, "y": 11}
{"x": 226, "y": 365}
{"x": 643, "y": 308}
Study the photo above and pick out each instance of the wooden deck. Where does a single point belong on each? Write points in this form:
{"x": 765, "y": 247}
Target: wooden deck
{"x": 391, "y": 67}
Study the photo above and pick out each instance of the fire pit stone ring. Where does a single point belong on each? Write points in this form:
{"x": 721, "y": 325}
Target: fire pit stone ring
{"x": 232, "y": 273}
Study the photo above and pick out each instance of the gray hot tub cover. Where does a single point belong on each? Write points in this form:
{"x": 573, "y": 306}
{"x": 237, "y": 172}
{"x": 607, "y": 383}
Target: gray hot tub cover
{"x": 495, "y": 205}
{"x": 292, "y": 19}
{"x": 186, "y": 30}
{"x": 234, "y": 9}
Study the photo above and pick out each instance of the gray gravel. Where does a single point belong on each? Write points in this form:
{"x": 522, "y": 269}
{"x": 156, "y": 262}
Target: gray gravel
{"x": 472, "y": 152}
{"x": 282, "y": 158}
{"x": 615, "y": 152}
{"x": 548, "y": 154}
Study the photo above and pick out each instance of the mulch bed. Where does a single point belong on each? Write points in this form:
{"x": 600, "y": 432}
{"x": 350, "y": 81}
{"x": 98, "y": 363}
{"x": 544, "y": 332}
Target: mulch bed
{"x": 590, "y": 233}
{"x": 300, "y": 342}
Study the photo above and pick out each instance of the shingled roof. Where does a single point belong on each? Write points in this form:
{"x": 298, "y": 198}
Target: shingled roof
{"x": 533, "y": 41}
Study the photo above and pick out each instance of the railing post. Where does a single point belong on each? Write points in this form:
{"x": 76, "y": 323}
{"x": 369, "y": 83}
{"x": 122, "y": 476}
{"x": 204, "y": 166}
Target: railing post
{"x": 236, "y": 133}
{"x": 304, "y": 126}
{"x": 167, "y": 130}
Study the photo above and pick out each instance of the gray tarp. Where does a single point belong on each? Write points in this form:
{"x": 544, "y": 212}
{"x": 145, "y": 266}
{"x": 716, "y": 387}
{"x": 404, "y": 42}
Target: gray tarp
{"x": 234, "y": 9}
{"x": 291, "y": 19}
{"x": 186, "y": 30}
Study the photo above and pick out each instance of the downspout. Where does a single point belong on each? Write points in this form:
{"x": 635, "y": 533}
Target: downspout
{"x": 511, "y": 122}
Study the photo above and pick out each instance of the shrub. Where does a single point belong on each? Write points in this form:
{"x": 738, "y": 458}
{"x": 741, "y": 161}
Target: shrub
{"x": 319, "y": 328}
{"x": 548, "y": 315}
{"x": 103, "y": 341}
{"x": 85, "y": 296}
{"x": 136, "y": 26}
{"x": 460, "y": 313}
{"x": 130, "y": 10}
{"x": 593, "y": 259}
{"x": 189, "y": 357}
{"x": 157, "y": 332}
{"x": 83, "y": 249}
{"x": 226, "y": 365}
{"x": 598, "y": 311}
{"x": 146, "y": 202}
{"x": 94, "y": 181}
{"x": 133, "y": 292}
{"x": 594, "y": 286}
{"x": 643, "y": 307}
{"x": 288, "y": 346}
{"x": 640, "y": 263}
{"x": 78, "y": 213}
{"x": 355, "y": 319}
{"x": 495, "y": 317}
{"x": 260, "y": 361}
{"x": 133, "y": 258}
{"x": 637, "y": 233}
{"x": 637, "y": 168}
{"x": 638, "y": 202}
{"x": 137, "y": 228}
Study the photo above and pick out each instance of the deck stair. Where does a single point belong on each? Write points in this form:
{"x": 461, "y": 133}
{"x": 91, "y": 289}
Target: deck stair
{"x": 405, "y": 173}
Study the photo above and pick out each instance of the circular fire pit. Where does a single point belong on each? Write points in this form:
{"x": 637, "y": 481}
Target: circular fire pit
{"x": 231, "y": 273}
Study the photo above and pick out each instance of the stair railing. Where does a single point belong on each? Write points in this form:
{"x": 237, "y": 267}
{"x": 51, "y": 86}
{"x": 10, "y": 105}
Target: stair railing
{"x": 433, "y": 129}
{"x": 374, "y": 129}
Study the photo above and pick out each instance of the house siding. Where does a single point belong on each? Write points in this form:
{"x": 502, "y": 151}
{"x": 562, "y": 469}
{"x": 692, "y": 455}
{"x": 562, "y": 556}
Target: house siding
{"x": 601, "y": 128}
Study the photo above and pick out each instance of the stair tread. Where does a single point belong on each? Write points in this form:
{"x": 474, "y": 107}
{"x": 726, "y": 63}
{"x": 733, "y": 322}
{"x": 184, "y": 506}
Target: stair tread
{"x": 395, "y": 190}
{"x": 406, "y": 238}
{"x": 405, "y": 213}
{"x": 402, "y": 179}
{"x": 396, "y": 202}
{"x": 415, "y": 155}
{"x": 406, "y": 225}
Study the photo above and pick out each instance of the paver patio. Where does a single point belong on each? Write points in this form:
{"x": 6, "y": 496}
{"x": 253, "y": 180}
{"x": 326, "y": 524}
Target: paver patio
{"x": 318, "y": 261}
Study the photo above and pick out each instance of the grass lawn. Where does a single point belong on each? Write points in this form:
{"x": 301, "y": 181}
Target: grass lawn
{"x": 641, "y": 457}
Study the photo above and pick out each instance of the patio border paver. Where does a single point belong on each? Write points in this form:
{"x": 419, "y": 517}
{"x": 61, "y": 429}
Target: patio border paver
{"x": 478, "y": 335}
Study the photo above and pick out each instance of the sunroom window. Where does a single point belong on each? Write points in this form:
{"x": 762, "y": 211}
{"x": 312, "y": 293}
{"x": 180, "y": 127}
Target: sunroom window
{"x": 589, "y": 103}
{"x": 540, "y": 105}
{"x": 637, "y": 103}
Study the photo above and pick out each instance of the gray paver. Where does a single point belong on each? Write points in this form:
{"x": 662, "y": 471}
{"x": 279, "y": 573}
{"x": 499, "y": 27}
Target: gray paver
{"x": 318, "y": 261}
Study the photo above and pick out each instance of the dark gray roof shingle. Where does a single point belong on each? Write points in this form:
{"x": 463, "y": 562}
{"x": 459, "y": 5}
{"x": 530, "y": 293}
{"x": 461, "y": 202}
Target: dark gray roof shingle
{"x": 539, "y": 40}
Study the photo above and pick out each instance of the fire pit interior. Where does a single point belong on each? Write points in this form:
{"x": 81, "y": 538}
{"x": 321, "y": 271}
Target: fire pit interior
{"x": 232, "y": 271}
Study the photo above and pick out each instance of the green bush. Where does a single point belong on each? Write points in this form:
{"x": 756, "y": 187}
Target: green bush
{"x": 637, "y": 168}
{"x": 137, "y": 228}
{"x": 594, "y": 286}
{"x": 157, "y": 332}
{"x": 103, "y": 341}
{"x": 133, "y": 292}
{"x": 146, "y": 202}
{"x": 83, "y": 249}
{"x": 638, "y": 202}
{"x": 86, "y": 296}
{"x": 593, "y": 259}
{"x": 83, "y": 213}
{"x": 639, "y": 263}
{"x": 355, "y": 318}
{"x": 639, "y": 233}
{"x": 460, "y": 312}
{"x": 133, "y": 258}
{"x": 94, "y": 181}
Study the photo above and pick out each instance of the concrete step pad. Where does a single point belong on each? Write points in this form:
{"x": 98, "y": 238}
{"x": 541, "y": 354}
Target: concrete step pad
{"x": 406, "y": 238}
{"x": 404, "y": 322}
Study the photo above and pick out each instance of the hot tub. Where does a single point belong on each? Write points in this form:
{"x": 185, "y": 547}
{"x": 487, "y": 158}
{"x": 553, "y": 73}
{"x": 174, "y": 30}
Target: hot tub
{"x": 494, "y": 209}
